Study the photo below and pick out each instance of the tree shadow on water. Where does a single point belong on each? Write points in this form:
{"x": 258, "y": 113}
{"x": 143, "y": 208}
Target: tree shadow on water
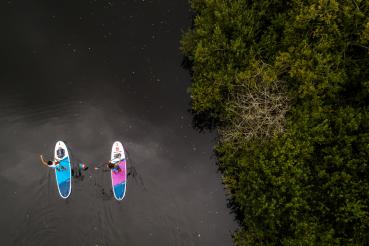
{"x": 203, "y": 121}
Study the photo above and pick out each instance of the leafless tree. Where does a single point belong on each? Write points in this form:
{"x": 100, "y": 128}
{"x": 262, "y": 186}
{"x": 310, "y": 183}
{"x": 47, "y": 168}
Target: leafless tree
{"x": 258, "y": 106}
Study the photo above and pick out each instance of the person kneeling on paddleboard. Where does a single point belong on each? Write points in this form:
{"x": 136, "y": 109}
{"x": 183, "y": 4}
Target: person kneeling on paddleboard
{"x": 114, "y": 166}
{"x": 52, "y": 164}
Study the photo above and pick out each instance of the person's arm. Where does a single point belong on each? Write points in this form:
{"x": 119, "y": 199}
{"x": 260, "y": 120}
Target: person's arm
{"x": 101, "y": 165}
{"x": 115, "y": 160}
{"x": 43, "y": 161}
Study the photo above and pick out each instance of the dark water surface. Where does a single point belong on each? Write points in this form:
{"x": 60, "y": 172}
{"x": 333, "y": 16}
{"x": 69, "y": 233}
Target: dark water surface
{"x": 90, "y": 73}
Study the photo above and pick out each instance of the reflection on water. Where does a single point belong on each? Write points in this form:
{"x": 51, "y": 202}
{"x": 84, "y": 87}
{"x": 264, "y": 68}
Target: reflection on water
{"x": 90, "y": 73}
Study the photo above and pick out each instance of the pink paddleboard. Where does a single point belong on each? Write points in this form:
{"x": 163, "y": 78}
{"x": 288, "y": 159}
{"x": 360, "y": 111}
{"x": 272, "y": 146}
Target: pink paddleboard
{"x": 119, "y": 179}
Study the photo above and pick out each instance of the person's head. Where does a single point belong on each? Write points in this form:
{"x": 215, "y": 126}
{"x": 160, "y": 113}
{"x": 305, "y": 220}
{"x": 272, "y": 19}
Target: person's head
{"x": 111, "y": 165}
{"x": 49, "y": 163}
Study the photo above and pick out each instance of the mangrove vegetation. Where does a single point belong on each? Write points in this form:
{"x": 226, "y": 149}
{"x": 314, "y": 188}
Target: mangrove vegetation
{"x": 286, "y": 85}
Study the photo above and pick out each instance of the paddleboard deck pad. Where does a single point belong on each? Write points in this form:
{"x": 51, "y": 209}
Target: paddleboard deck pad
{"x": 63, "y": 173}
{"x": 119, "y": 178}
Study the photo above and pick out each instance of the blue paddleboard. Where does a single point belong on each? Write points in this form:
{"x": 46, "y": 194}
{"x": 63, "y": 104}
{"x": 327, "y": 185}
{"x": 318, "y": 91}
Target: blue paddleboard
{"x": 63, "y": 172}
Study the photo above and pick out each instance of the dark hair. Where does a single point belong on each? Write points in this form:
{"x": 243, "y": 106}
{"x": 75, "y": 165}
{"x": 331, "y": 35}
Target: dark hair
{"x": 111, "y": 165}
{"x": 49, "y": 163}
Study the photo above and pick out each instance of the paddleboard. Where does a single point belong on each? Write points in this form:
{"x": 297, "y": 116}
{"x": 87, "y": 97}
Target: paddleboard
{"x": 63, "y": 173}
{"x": 119, "y": 179}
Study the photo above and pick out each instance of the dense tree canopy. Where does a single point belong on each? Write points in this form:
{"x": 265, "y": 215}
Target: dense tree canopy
{"x": 287, "y": 83}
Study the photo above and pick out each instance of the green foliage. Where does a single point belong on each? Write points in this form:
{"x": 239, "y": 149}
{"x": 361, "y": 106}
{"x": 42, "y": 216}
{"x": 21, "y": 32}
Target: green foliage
{"x": 310, "y": 184}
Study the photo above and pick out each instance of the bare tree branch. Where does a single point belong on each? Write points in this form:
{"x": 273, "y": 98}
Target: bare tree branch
{"x": 258, "y": 107}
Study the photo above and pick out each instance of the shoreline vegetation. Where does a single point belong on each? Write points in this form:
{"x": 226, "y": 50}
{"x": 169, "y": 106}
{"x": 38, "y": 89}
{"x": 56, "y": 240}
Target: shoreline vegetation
{"x": 286, "y": 86}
